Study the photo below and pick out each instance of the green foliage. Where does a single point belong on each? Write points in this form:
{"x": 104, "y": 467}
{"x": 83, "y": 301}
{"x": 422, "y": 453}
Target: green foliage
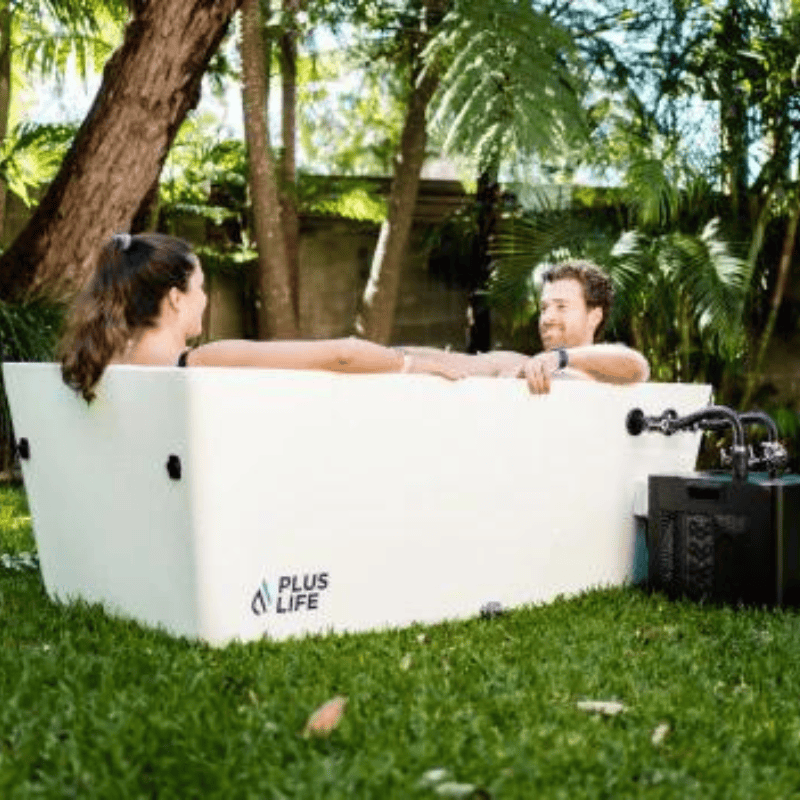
{"x": 653, "y": 197}
{"x": 349, "y": 118}
{"x": 199, "y": 162}
{"x": 205, "y": 179}
{"x": 50, "y": 36}
{"x": 510, "y": 84}
{"x": 679, "y": 295}
{"x": 86, "y": 13}
{"x": 46, "y": 51}
{"x": 355, "y": 202}
{"x": 31, "y": 154}
{"x": 352, "y": 97}
{"x": 28, "y": 332}
{"x": 15, "y": 521}
{"x": 233, "y": 261}
{"x": 681, "y": 299}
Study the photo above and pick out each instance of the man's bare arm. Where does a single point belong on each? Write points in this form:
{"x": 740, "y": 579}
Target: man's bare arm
{"x": 608, "y": 363}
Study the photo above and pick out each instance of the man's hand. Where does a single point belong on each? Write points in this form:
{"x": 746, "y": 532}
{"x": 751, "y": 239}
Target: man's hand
{"x": 538, "y": 370}
{"x": 607, "y": 363}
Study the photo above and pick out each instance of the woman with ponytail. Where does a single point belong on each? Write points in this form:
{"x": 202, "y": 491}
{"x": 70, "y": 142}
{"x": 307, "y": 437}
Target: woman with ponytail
{"x": 146, "y": 298}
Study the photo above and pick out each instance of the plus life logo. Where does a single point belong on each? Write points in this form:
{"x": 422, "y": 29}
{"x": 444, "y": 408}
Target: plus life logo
{"x": 294, "y": 593}
{"x": 262, "y": 599}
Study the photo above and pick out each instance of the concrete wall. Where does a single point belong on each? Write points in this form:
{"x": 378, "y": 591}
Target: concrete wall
{"x": 335, "y": 258}
{"x": 334, "y": 264}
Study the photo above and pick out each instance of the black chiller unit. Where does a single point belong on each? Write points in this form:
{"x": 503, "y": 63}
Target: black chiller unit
{"x": 729, "y": 536}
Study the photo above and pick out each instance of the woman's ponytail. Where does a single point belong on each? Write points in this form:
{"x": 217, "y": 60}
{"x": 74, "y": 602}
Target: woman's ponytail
{"x": 133, "y": 275}
{"x": 97, "y": 327}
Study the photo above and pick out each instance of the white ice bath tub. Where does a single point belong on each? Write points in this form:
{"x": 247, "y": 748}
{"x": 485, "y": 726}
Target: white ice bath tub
{"x": 311, "y": 501}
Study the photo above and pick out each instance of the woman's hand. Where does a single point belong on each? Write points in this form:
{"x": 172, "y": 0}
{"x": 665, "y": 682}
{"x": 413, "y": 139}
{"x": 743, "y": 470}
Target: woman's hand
{"x": 432, "y": 365}
{"x": 502, "y": 363}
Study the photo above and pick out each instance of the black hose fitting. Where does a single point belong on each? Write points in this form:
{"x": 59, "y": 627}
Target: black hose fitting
{"x": 712, "y": 416}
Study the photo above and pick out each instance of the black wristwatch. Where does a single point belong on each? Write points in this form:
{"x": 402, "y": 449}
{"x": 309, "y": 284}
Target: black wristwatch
{"x": 563, "y": 358}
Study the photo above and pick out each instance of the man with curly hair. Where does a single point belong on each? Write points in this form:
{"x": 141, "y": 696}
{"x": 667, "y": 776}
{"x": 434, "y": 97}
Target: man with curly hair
{"x": 574, "y": 305}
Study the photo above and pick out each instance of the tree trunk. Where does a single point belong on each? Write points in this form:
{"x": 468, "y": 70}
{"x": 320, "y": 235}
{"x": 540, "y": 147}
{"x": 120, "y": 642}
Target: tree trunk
{"x": 276, "y": 316}
{"x": 784, "y": 268}
{"x": 376, "y": 319}
{"x": 146, "y": 216}
{"x": 5, "y": 94}
{"x": 479, "y": 322}
{"x": 759, "y": 230}
{"x": 291, "y": 234}
{"x": 148, "y": 87}
{"x": 733, "y": 114}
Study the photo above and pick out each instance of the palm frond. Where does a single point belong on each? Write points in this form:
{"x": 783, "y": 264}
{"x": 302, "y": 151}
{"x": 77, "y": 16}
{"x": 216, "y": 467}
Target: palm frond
{"x": 506, "y": 70}
{"x": 48, "y": 36}
{"x": 714, "y": 282}
{"x": 653, "y": 197}
{"x": 31, "y": 154}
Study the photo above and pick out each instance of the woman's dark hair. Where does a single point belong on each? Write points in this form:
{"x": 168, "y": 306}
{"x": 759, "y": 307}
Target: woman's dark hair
{"x": 598, "y": 291}
{"x": 133, "y": 275}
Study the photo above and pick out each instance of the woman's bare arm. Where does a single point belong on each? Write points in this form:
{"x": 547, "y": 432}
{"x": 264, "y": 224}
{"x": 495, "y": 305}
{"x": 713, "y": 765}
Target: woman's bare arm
{"x": 339, "y": 355}
{"x": 350, "y": 355}
{"x": 611, "y": 363}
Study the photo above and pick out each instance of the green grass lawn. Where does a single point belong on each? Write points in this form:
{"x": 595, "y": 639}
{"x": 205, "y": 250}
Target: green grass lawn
{"x": 96, "y": 707}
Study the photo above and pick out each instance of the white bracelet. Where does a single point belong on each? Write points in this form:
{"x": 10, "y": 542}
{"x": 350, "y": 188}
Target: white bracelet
{"x": 405, "y": 367}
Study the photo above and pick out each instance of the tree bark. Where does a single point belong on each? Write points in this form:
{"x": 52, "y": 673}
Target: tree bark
{"x": 784, "y": 268}
{"x": 148, "y": 87}
{"x": 146, "y": 216}
{"x": 276, "y": 315}
{"x": 5, "y": 94}
{"x": 291, "y": 233}
{"x": 376, "y": 318}
{"x": 733, "y": 113}
{"x": 479, "y": 320}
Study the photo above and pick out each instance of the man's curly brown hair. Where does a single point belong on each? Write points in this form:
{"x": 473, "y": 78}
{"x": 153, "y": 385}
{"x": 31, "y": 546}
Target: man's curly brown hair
{"x": 597, "y": 288}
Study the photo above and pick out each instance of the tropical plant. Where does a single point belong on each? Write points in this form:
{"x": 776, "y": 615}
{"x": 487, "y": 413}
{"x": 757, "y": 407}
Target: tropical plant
{"x": 48, "y": 37}
{"x": 679, "y": 293}
{"x": 30, "y": 156}
{"x": 680, "y": 299}
{"x": 28, "y": 332}
{"x": 200, "y": 161}
{"x": 349, "y": 115}
{"x": 511, "y": 86}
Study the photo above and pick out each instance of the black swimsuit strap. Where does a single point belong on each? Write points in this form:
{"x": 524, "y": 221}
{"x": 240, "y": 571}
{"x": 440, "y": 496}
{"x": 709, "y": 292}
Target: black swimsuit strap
{"x": 182, "y": 358}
